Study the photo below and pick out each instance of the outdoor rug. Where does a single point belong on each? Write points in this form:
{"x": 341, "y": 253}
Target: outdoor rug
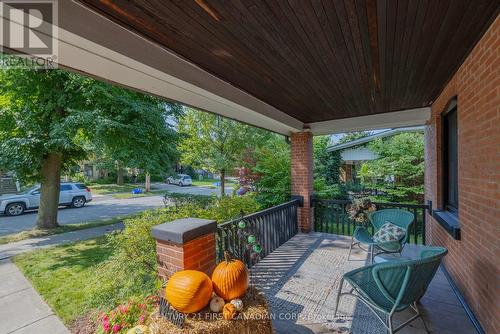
{"x": 300, "y": 280}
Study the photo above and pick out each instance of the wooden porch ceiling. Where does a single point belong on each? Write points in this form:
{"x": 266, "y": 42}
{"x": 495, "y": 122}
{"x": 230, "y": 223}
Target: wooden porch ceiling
{"x": 317, "y": 60}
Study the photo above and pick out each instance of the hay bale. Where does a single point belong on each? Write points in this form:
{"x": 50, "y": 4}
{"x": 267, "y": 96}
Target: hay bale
{"x": 254, "y": 319}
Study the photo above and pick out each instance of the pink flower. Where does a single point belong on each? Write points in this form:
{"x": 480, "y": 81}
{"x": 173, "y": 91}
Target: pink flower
{"x": 116, "y": 328}
{"x": 141, "y": 319}
{"x": 105, "y": 318}
{"x": 106, "y": 326}
{"x": 123, "y": 308}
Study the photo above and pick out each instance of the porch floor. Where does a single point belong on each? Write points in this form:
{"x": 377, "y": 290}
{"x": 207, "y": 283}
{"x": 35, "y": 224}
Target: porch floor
{"x": 300, "y": 280}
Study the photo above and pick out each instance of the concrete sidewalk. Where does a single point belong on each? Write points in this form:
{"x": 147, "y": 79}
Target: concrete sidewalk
{"x": 9, "y": 250}
{"x": 22, "y": 310}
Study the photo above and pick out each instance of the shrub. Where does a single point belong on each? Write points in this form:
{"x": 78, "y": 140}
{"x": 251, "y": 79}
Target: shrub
{"x": 178, "y": 199}
{"x": 228, "y": 208}
{"x": 273, "y": 169}
{"x": 131, "y": 270}
{"x": 354, "y": 187}
{"x": 324, "y": 191}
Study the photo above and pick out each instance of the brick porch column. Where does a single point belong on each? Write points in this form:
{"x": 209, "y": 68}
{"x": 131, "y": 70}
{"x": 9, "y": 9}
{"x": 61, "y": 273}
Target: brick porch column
{"x": 302, "y": 176}
{"x": 187, "y": 243}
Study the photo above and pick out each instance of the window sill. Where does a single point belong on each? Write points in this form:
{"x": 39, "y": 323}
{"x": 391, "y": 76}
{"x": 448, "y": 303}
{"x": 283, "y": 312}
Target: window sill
{"x": 449, "y": 222}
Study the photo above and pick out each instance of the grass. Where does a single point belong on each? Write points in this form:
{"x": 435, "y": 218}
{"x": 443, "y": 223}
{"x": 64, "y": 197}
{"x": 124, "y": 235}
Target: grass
{"x": 210, "y": 182}
{"x": 130, "y": 195}
{"x": 38, "y": 233}
{"x": 60, "y": 274}
{"x": 105, "y": 189}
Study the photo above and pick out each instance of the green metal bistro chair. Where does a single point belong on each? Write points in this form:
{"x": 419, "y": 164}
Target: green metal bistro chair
{"x": 393, "y": 286}
{"x": 361, "y": 236}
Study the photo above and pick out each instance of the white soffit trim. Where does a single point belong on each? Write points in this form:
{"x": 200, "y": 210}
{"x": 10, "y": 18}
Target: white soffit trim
{"x": 83, "y": 55}
{"x": 395, "y": 119}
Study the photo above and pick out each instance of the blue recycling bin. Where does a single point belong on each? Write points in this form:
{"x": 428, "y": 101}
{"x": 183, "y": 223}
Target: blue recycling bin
{"x": 136, "y": 191}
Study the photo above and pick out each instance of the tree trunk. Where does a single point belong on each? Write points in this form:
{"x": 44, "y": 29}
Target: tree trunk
{"x": 148, "y": 182}
{"x": 222, "y": 183}
{"x": 119, "y": 174}
{"x": 49, "y": 191}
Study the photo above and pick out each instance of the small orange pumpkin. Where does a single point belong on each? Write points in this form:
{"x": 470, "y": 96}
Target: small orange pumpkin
{"x": 229, "y": 311}
{"x": 189, "y": 291}
{"x": 230, "y": 278}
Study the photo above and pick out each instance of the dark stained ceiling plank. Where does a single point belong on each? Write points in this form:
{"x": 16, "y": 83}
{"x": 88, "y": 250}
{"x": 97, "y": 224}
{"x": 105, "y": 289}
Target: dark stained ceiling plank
{"x": 317, "y": 60}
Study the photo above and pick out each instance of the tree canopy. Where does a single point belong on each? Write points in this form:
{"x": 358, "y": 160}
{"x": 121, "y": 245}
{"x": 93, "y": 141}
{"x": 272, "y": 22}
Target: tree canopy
{"x": 51, "y": 119}
{"x": 215, "y": 143}
{"x": 399, "y": 171}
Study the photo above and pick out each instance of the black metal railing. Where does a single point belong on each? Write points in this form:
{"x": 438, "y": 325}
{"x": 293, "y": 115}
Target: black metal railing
{"x": 271, "y": 227}
{"x": 330, "y": 216}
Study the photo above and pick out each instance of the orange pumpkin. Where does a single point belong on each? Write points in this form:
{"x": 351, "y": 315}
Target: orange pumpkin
{"x": 229, "y": 311}
{"x": 230, "y": 278}
{"x": 189, "y": 291}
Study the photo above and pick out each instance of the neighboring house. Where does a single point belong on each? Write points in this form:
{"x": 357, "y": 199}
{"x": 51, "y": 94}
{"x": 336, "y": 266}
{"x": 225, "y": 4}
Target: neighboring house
{"x": 356, "y": 152}
{"x": 205, "y": 174}
{"x": 91, "y": 171}
{"x": 8, "y": 183}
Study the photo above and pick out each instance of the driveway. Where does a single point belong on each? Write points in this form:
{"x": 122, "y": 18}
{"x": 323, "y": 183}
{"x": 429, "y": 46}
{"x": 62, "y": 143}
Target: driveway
{"x": 100, "y": 208}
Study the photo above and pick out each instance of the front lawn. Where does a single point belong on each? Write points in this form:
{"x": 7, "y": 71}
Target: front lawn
{"x": 61, "y": 274}
{"x": 97, "y": 275}
{"x": 210, "y": 182}
{"x": 105, "y": 189}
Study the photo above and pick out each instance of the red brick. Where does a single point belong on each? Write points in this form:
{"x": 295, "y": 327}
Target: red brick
{"x": 473, "y": 261}
{"x": 302, "y": 176}
{"x": 197, "y": 254}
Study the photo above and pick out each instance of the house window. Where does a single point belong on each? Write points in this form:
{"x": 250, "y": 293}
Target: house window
{"x": 450, "y": 159}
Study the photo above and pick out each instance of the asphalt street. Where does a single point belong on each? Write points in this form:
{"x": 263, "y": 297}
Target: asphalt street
{"x": 101, "y": 207}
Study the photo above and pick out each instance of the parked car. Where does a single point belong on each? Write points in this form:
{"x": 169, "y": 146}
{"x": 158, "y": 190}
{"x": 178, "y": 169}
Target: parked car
{"x": 71, "y": 194}
{"x": 181, "y": 180}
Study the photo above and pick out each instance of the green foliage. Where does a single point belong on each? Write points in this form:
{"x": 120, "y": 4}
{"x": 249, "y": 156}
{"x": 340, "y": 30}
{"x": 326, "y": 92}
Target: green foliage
{"x": 215, "y": 143}
{"x": 228, "y": 208}
{"x": 181, "y": 199}
{"x": 272, "y": 166}
{"x": 353, "y": 186}
{"x": 132, "y": 128}
{"x": 326, "y": 164}
{"x": 323, "y": 190}
{"x": 40, "y": 112}
{"x": 55, "y": 111}
{"x": 131, "y": 270}
{"x": 399, "y": 171}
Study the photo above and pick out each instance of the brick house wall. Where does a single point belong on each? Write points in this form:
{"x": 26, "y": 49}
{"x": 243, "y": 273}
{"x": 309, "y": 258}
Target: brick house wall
{"x": 474, "y": 261}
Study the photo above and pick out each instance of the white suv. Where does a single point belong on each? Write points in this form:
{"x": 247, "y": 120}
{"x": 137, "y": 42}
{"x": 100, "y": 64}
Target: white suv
{"x": 71, "y": 194}
{"x": 181, "y": 180}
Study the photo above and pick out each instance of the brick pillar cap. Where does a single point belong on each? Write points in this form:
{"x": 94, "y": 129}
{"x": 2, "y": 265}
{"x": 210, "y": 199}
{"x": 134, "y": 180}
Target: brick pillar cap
{"x": 183, "y": 230}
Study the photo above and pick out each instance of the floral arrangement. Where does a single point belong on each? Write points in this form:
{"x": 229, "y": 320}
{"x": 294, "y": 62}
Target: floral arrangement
{"x": 360, "y": 209}
{"x": 126, "y": 316}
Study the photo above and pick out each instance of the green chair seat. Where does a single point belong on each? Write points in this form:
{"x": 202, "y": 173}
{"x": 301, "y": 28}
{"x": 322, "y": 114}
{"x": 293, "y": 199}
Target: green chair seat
{"x": 393, "y": 286}
{"x": 378, "y": 218}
